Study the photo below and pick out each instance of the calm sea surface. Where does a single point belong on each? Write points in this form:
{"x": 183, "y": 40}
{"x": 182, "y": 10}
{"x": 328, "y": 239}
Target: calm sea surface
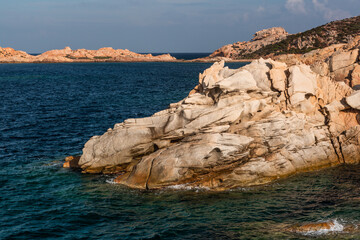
{"x": 49, "y": 111}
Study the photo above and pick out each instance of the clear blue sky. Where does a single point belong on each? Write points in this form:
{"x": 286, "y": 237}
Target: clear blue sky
{"x": 156, "y": 25}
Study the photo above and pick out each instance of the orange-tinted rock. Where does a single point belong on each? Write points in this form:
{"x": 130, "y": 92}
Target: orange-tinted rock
{"x": 81, "y": 55}
{"x": 261, "y": 39}
{"x": 323, "y": 228}
{"x": 317, "y": 227}
{"x": 10, "y": 55}
{"x": 66, "y": 165}
{"x": 69, "y": 158}
{"x": 71, "y": 162}
{"x": 355, "y": 77}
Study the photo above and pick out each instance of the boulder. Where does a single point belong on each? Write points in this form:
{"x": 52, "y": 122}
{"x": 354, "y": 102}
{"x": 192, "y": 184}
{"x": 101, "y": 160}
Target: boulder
{"x": 342, "y": 59}
{"x": 354, "y": 100}
{"x": 355, "y": 77}
{"x": 278, "y": 78}
{"x": 71, "y": 162}
{"x": 270, "y": 32}
{"x": 321, "y": 68}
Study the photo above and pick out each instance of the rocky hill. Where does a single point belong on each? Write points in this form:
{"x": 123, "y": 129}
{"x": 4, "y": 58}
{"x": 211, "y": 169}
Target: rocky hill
{"x": 279, "y": 42}
{"x": 108, "y": 54}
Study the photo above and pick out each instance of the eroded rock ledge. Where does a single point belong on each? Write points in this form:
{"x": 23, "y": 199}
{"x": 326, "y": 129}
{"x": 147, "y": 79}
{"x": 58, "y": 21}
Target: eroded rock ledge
{"x": 237, "y": 128}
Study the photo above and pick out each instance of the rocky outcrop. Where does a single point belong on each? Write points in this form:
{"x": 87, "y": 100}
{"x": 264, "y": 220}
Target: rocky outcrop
{"x": 12, "y": 55}
{"x": 9, "y": 55}
{"x": 339, "y": 61}
{"x": 276, "y": 41}
{"x": 260, "y": 39}
{"x": 71, "y": 162}
{"x": 237, "y": 128}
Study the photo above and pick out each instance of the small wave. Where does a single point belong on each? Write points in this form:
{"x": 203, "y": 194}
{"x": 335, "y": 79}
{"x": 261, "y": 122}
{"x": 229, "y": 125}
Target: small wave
{"x": 55, "y": 163}
{"x": 173, "y": 187}
{"x": 111, "y": 181}
{"x": 186, "y": 187}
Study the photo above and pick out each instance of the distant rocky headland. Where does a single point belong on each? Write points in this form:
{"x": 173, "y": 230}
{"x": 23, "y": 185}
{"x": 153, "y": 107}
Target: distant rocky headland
{"x": 108, "y": 54}
{"x": 242, "y": 127}
{"x": 268, "y": 43}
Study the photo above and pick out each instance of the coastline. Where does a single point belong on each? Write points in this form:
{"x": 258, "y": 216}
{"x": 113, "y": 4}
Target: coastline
{"x": 132, "y": 61}
{"x": 90, "y": 99}
{"x": 226, "y": 113}
{"x": 106, "y": 54}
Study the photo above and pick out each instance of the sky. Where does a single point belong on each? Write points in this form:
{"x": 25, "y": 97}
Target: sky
{"x": 36, "y": 26}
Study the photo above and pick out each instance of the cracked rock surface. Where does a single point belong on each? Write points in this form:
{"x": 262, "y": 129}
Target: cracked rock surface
{"x": 236, "y": 128}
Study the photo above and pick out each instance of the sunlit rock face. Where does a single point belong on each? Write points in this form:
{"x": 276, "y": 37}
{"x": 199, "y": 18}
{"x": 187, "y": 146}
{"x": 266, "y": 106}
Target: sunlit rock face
{"x": 9, "y": 55}
{"x": 261, "y": 39}
{"x": 238, "y": 127}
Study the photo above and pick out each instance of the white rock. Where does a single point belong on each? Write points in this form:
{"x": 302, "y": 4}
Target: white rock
{"x": 354, "y": 100}
{"x": 302, "y": 81}
{"x": 232, "y": 131}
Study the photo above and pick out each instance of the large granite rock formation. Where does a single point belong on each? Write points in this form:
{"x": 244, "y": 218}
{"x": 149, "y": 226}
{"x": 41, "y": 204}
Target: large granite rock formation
{"x": 9, "y": 55}
{"x": 238, "y": 127}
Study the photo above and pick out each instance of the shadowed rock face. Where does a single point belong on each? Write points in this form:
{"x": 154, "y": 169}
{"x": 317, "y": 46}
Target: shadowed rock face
{"x": 238, "y": 127}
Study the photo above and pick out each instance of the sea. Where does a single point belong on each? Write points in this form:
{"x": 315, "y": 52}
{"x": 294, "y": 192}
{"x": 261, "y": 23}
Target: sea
{"x": 49, "y": 111}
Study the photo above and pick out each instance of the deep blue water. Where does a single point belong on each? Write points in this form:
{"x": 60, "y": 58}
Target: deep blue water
{"x": 49, "y": 111}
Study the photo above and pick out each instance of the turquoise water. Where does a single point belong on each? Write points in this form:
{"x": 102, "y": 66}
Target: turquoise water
{"x": 48, "y": 111}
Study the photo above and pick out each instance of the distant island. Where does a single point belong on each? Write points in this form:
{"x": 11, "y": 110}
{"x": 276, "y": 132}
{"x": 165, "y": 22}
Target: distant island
{"x": 107, "y": 54}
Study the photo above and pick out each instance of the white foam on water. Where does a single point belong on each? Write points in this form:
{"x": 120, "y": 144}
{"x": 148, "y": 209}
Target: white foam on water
{"x": 186, "y": 187}
{"x": 111, "y": 181}
{"x": 335, "y": 227}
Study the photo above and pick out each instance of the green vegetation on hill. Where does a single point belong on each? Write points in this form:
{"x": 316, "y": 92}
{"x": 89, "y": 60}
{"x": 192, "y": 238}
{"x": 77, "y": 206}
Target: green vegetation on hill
{"x": 331, "y": 33}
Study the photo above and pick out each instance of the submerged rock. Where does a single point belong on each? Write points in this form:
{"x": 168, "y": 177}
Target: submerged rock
{"x": 238, "y": 127}
{"x": 319, "y": 228}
